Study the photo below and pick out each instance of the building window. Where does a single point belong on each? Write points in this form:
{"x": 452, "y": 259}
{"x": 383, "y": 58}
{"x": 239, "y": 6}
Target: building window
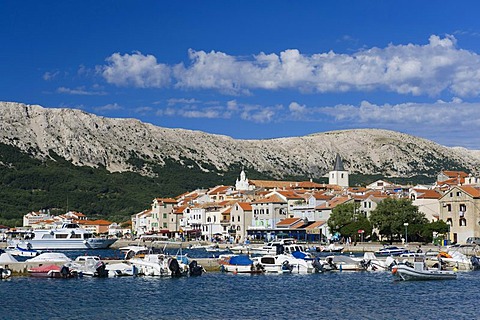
{"x": 462, "y": 222}
{"x": 450, "y": 222}
{"x": 451, "y": 194}
{"x": 449, "y": 207}
{"x": 459, "y": 194}
{"x": 164, "y": 216}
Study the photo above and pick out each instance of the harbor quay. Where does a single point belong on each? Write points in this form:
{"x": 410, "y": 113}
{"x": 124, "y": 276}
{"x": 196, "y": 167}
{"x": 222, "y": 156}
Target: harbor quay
{"x": 210, "y": 264}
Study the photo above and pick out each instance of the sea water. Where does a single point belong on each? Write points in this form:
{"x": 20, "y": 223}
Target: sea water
{"x": 215, "y": 295}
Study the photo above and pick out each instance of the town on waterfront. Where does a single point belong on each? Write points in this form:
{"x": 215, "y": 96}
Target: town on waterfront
{"x": 263, "y": 210}
{"x": 283, "y": 219}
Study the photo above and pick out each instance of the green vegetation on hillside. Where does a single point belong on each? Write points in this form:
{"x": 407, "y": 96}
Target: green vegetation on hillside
{"x": 28, "y": 184}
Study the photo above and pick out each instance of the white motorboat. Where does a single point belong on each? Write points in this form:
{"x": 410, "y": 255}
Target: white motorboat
{"x": 332, "y": 247}
{"x": 342, "y": 263}
{"x": 418, "y": 271}
{"x": 372, "y": 263}
{"x": 284, "y": 263}
{"x": 121, "y": 269}
{"x": 241, "y": 248}
{"x": 273, "y": 247}
{"x": 50, "y": 257}
{"x": 90, "y": 266}
{"x": 70, "y": 236}
{"x": 133, "y": 250}
{"x": 159, "y": 265}
{"x": 456, "y": 260}
{"x": 391, "y": 251}
{"x": 21, "y": 252}
{"x": 239, "y": 264}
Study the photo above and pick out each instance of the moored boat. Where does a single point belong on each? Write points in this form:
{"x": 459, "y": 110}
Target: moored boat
{"x": 22, "y": 252}
{"x": 239, "y": 264}
{"x": 284, "y": 263}
{"x": 70, "y": 237}
{"x": 391, "y": 251}
{"x": 90, "y": 266}
{"x": 52, "y": 271}
{"x": 419, "y": 271}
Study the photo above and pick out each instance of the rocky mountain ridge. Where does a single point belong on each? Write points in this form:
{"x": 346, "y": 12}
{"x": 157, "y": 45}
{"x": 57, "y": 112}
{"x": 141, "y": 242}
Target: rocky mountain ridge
{"x": 131, "y": 145}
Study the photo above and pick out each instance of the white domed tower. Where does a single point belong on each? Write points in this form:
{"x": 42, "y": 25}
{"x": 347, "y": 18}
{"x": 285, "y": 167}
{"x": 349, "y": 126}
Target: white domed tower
{"x": 242, "y": 184}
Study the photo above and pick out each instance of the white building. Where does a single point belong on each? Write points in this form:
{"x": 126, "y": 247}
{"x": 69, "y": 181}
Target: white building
{"x": 33, "y": 218}
{"x": 242, "y": 184}
{"x": 338, "y": 176}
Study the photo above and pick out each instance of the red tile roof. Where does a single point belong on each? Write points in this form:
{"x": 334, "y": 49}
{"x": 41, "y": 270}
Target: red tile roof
{"x": 219, "y": 189}
{"x": 316, "y": 224}
{"x": 246, "y": 206}
{"x": 473, "y": 191}
{"x": 427, "y": 194}
{"x": 167, "y": 200}
{"x": 271, "y": 199}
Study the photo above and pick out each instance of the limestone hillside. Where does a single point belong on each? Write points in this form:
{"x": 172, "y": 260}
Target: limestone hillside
{"x": 130, "y": 145}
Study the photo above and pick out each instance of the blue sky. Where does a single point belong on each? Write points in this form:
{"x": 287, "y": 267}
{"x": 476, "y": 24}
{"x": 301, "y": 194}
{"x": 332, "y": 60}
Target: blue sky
{"x": 252, "y": 69}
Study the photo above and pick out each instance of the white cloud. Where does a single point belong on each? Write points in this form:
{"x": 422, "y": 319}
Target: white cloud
{"x": 135, "y": 70}
{"x": 440, "y": 114}
{"x": 429, "y": 69}
{"x": 226, "y": 110}
{"x": 108, "y": 107}
{"x": 297, "y": 111}
{"x": 47, "y": 76}
{"x": 144, "y": 110}
{"x": 80, "y": 91}
{"x": 174, "y": 101}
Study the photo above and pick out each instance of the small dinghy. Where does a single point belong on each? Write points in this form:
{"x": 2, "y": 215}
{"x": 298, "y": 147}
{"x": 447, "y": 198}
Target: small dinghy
{"x": 418, "y": 271}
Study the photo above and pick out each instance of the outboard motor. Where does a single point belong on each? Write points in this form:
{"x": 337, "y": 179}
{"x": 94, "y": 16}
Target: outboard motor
{"x": 195, "y": 269}
{"x": 101, "y": 270}
{"x": 174, "y": 267}
{"x": 317, "y": 265}
{"x": 65, "y": 272}
{"x": 286, "y": 266}
{"x": 475, "y": 262}
{"x": 280, "y": 249}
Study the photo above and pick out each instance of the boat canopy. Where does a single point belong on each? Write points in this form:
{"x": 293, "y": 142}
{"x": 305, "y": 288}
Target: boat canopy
{"x": 240, "y": 260}
{"x": 299, "y": 255}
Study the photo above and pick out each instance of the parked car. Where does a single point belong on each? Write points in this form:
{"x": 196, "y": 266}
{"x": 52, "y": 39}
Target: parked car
{"x": 473, "y": 240}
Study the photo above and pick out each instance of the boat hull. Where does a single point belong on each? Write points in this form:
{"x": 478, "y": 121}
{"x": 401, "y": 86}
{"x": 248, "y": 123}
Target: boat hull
{"x": 67, "y": 244}
{"x": 406, "y": 273}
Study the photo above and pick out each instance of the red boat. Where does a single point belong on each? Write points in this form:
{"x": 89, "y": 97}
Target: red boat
{"x": 51, "y": 271}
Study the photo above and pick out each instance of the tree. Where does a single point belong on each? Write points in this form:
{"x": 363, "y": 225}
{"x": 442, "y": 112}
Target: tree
{"x": 347, "y": 220}
{"x": 391, "y": 214}
{"x": 439, "y": 227}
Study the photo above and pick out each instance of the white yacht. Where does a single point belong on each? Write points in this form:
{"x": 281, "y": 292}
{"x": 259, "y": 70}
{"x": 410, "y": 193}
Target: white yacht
{"x": 70, "y": 236}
